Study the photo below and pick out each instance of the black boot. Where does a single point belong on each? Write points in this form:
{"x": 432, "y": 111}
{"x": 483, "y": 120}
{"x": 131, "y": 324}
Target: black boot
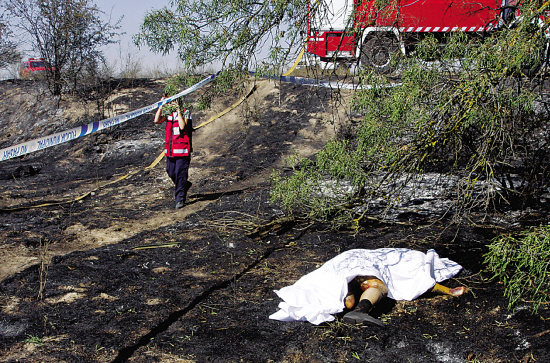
{"x": 360, "y": 314}
{"x": 364, "y": 306}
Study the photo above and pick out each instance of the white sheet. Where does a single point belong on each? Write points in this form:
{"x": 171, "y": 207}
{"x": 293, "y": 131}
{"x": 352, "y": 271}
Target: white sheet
{"x": 319, "y": 294}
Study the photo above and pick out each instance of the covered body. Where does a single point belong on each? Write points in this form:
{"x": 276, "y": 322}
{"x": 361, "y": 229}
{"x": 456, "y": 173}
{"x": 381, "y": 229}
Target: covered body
{"x": 318, "y": 295}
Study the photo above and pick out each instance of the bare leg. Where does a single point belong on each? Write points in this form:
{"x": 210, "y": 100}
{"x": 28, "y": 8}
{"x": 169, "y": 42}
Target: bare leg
{"x": 374, "y": 291}
{"x": 443, "y": 290}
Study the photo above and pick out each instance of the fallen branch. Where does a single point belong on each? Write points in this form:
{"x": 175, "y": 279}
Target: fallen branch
{"x": 145, "y": 247}
{"x": 275, "y": 227}
{"x": 541, "y": 334}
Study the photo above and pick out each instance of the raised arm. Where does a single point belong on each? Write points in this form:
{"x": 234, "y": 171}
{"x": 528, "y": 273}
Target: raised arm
{"x": 183, "y": 122}
{"x": 158, "y": 115}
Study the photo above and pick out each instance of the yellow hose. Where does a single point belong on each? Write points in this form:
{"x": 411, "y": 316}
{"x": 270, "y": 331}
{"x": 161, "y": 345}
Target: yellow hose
{"x": 159, "y": 158}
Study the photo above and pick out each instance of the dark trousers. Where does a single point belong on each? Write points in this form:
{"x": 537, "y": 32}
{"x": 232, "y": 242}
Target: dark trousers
{"x": 177, "y": 169}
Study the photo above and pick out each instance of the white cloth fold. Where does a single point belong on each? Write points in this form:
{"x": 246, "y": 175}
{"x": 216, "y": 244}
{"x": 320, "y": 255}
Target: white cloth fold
{"x": 318, "y": 295}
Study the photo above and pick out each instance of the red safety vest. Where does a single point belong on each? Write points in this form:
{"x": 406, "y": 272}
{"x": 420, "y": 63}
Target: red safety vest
{"x": 177, "y": 142}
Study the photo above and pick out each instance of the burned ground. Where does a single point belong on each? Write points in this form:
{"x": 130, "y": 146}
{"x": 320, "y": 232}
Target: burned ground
{"x": 132, "y": 280}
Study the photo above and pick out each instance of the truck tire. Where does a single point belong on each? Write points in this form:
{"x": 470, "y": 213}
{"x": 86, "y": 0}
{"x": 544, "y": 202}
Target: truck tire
{"x": 378, "y": 51}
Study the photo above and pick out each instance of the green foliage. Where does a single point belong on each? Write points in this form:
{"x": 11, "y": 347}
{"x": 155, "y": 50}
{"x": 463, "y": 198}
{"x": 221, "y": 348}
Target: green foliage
{"x": 33, "y": 340}
{"x": 299, "y": 187}
{"x": 225, "y": 81}
{"x": 228, "y": 31}
{"x": 470, "y": 113}
{"x": 522, "y": 263}
{"x": 308, "y": 191}
{"x": 174, "y": 85}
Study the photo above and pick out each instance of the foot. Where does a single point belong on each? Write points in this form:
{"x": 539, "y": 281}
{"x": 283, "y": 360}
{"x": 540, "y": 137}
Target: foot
{"x": 349, "y": 301}
{"x": 180, "y": 205}
{"x": 357, "y": 317}
{"x": 457, "y": 291}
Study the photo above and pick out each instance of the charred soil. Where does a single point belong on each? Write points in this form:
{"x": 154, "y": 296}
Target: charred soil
{"x": 98, "y": 266}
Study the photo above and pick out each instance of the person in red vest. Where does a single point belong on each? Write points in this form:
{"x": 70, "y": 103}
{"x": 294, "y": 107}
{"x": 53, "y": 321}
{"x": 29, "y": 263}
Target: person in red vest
{"x": 178, "y": 146}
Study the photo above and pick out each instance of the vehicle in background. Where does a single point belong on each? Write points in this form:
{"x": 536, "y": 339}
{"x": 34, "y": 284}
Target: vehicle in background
{"x": 33, "y": 67}
{"x": 356, "y": 31}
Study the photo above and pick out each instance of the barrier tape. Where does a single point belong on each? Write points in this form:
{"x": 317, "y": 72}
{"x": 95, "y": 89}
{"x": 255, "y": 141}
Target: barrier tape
{"x": 151, "y": 166}
{"x": 97, "y": 126}
{"x": 317, "y": 83}
{"x": 327, "y": 84}
{"x": 77, "y": 132}
{"x": 80, "y": 131}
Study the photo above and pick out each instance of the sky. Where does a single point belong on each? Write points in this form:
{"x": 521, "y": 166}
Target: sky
{"x": 132, "y": 13}
{"x": 120, "y": 54}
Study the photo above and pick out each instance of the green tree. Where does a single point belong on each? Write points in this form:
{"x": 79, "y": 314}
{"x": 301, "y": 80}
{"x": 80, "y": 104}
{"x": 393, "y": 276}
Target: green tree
{"x": 478, "y": 116}
{"x": 68, "y": 34}
{"x": 8, "y": 48}
{"x": 232, "y": 32}
{"x": 472, "y": 114}
{"x": 475, "y": 111}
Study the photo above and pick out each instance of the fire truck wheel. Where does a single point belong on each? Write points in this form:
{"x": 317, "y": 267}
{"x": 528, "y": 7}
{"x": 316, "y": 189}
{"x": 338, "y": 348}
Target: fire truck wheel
{"x": 378, "y": 52}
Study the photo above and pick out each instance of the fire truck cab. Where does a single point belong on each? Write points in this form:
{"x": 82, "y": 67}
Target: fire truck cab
{"x": 32, "y": 67}
{"x": 355, "y": 30}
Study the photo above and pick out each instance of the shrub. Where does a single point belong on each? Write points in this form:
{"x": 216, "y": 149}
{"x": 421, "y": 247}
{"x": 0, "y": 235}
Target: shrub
{"x": 477, "y": 112}
{"x": 522, "y": 263}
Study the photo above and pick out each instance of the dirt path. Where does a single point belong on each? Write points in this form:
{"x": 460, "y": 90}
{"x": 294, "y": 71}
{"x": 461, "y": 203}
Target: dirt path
{"x": 212, "y": 143}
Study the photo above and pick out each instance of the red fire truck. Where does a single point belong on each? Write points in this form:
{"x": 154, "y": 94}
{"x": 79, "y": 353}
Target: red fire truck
{"x": 32, "y": 67}
{"x": 346, "y": 30}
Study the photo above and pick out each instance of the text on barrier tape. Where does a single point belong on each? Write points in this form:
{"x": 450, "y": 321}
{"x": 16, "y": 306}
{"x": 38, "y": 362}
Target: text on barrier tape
{"x": 68, "y": 135}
